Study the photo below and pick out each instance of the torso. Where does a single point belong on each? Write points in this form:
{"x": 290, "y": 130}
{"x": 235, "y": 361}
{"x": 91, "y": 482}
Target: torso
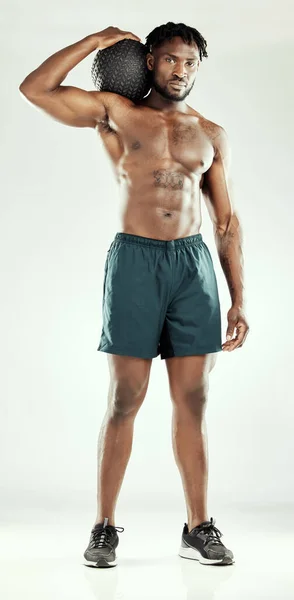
{"x": 159, "y": 160}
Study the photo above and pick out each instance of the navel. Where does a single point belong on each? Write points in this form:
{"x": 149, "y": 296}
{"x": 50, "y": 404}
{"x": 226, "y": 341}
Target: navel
{"x": 136, "y": 145}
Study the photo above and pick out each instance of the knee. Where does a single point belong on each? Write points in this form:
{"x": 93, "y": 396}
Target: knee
{"x": 125, "y": 399}
{"x": 192, "y": 399}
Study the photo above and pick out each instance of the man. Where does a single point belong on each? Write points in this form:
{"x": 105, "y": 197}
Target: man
{"x": 160, "y": 291}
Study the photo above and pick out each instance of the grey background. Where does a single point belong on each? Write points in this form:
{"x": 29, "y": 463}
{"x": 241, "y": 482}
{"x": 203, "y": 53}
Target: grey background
{"x": 59, "y": 214}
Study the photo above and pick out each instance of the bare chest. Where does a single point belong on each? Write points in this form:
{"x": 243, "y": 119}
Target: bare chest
{"x": 180, "y": 140}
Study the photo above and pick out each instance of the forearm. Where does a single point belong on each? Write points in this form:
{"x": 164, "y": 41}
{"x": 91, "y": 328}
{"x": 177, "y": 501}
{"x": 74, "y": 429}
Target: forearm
{"x": 229, "y": 246}
{"x": 51, "y": 73}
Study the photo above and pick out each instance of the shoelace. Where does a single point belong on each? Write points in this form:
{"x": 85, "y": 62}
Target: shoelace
{"x": 211, "y": 531}
{"x": 102, "y": 534}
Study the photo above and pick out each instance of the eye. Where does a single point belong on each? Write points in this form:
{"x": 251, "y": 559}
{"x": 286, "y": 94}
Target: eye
{"x": 169, "y": 58}
{"x": 191, "y": 63}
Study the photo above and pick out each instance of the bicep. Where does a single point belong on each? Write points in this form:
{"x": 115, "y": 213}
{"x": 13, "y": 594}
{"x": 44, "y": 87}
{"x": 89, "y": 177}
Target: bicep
{"x": 72, "y": 106}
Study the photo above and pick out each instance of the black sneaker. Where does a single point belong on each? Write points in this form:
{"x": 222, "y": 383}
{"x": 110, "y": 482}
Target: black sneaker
{"x": 203, "y": 543}
{"x": 102, "y": 545}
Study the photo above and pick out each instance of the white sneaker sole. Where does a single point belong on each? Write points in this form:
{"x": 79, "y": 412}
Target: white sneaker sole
{"x": 194, "y": 554}
{"x": 100, "y": 563}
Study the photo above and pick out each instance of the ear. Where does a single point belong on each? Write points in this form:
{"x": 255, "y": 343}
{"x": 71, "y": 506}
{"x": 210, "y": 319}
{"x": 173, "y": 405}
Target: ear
{"x": 150, "y": 61}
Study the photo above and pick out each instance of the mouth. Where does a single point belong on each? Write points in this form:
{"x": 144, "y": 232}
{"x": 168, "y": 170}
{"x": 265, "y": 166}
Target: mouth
{"x": 177, "y": 85}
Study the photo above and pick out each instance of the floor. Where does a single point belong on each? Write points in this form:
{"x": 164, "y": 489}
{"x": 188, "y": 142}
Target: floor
{"x": 41, "y": 556}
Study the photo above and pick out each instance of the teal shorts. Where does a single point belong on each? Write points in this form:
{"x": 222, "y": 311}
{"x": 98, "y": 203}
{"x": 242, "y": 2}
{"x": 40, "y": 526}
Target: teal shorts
{"x": 160, "y": 297}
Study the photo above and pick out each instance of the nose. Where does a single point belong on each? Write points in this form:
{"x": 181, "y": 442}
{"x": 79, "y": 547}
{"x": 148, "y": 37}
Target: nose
{"x": 180, "y": 71}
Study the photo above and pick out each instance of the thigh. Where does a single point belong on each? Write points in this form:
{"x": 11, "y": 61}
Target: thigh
{"x": 187, "y": 374}
{"x": 135, "y": 371}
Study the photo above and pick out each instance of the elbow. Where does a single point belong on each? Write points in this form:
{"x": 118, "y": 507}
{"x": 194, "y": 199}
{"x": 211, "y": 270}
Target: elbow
{"x": 23, "y": 85}
{"x": 28, "y": 86}
{"x": 230, "y": 223}
{"x": 23, "y": 90}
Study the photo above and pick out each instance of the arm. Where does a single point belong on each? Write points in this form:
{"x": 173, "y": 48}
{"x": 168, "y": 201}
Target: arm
{"x": 71, "y": 105}
{"x": 217, "y": 193}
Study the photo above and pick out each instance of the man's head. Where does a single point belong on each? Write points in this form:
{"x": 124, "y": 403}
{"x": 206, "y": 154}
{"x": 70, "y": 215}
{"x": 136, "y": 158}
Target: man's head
{"x": 174, "y": 55}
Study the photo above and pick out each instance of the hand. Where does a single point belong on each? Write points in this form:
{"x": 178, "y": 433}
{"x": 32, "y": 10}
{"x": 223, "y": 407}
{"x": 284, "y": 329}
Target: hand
{"x": 236, "y": 319}
{"x": 112, "y": 35}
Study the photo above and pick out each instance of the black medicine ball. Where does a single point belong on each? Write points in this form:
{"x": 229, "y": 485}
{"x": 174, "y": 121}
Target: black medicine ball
{"x": 122, "y": 69}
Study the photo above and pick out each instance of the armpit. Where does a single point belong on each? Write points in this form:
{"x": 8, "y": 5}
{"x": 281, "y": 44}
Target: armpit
{"x": 104, "y": 127}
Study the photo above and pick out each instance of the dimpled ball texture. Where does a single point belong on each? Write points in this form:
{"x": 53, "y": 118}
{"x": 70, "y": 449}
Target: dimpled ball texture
{"x": 121, "y": 69}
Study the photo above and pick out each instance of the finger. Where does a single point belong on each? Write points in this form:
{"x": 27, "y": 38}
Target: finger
{"x": 229, "y": 341}
{"x": 237, "y": 341}
{"x": 240, "y": 329}
{"x": 227, "y": 345}
{"x": 233, "y": 348}
{"x": 230, "y": 330}
{"x": 228, "y": 348}
{"x": 130, "y": 35}
{"x": 230, "y": 345}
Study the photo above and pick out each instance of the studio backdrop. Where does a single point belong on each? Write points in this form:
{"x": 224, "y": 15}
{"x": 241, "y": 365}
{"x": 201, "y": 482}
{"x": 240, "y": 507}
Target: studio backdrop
{"x": 60, "y": 209}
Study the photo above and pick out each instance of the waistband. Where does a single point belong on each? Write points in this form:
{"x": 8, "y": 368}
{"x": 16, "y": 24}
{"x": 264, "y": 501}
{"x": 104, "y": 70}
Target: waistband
{"x": 130, "y": 238}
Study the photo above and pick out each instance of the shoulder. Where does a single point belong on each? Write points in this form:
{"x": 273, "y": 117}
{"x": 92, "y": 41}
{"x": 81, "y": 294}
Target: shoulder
{"x": 217, "y": 135}
{"x": 214, "y": 131}
{"x": 218, "y": 138}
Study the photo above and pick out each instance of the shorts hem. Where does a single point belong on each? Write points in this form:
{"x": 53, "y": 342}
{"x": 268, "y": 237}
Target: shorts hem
{"x": 126, "y": 352}
{"x": 196, "y": 352}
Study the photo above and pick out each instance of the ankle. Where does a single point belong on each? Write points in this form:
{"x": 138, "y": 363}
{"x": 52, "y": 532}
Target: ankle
{"x": 196, "y": 521}
{"x": 111, "y": 521}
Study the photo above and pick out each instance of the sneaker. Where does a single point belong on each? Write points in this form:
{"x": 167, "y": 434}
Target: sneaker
{"x": 203, "y": 543}
{"x": 102, "y": 545}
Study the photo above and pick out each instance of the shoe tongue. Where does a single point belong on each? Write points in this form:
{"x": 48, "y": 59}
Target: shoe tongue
{"x": 203, "y": 524}
{"x": 104, "y": 524}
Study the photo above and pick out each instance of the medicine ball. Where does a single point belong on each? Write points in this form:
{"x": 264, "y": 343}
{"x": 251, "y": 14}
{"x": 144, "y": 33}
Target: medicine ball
{"x": 122, "y": 69}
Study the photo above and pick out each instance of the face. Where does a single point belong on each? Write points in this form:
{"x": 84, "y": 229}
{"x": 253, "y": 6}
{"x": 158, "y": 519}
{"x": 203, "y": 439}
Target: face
{"x": 174, "y": 65}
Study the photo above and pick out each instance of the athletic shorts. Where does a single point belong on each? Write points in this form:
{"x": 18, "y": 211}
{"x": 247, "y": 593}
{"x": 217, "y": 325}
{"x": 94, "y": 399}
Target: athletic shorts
{"x": 160, "y": 297}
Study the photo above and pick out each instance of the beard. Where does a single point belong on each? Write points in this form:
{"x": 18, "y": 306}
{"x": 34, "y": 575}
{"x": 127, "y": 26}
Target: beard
{"x": 165, "y": 93}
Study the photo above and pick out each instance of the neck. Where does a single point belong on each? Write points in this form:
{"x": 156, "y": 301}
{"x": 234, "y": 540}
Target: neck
{"x": 155, "y": 100}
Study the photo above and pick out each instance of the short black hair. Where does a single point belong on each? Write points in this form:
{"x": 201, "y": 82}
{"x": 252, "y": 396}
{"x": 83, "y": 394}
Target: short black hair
{"x": 166, "y": 32}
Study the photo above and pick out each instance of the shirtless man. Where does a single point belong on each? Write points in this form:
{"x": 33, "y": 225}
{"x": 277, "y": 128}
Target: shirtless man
{"x": 160, "y": 292}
